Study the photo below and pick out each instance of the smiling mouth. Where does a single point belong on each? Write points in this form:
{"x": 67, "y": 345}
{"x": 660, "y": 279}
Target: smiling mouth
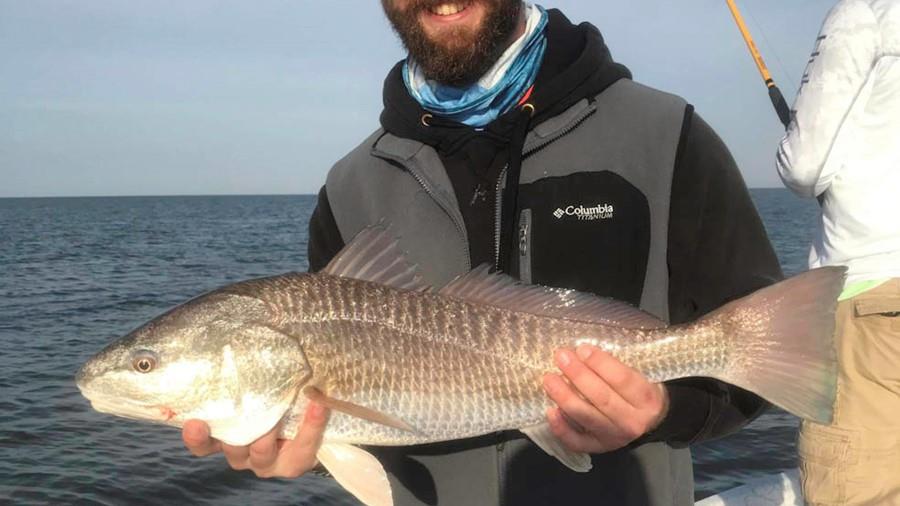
{"x": 449, "y": 9}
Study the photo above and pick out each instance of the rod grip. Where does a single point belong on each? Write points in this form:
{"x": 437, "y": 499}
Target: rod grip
{"x": 781, "y": 106}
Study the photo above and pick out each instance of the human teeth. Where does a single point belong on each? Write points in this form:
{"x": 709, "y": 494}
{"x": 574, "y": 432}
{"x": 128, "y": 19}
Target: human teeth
{"x": 447, "y": 9}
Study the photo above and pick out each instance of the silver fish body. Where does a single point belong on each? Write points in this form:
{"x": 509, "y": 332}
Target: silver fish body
{"x": 400, "y": 363}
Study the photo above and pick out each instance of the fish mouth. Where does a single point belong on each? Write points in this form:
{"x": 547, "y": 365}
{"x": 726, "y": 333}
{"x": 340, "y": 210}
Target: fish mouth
{"x": 127, "y": 409}
{"x": 117, "y": 406}
{"x": 80, "y": 378}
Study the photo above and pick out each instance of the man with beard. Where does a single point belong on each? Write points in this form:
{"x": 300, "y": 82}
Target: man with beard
{"x": 510, "y": 137}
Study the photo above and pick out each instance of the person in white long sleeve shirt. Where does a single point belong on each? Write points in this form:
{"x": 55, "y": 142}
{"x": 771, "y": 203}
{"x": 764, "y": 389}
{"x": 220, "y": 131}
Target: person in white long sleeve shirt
{"x": 843, "y": 147}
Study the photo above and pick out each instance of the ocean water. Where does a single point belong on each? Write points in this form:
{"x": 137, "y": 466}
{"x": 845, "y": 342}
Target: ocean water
{"x": 76, "y": 273}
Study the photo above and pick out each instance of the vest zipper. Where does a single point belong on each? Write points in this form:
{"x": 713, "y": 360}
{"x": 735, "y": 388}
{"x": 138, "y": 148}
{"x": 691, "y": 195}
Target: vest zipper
{"x": 456, "y": 222}
{"x": 498, "y": 212}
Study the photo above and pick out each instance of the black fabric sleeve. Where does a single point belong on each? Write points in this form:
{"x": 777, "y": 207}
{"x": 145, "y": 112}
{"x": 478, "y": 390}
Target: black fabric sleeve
{"x": 325, "y": 239}
{"x": 718, "y": 251}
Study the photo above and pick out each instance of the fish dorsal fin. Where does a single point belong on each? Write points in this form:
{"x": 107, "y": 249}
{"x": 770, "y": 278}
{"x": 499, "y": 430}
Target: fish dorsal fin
{"x": 355, "y": 410}
{"x": 358, "y": 471}
{"x": 542, "y": 436}
{"x": 374, "y": 255}
{"x": 500, "y": 290}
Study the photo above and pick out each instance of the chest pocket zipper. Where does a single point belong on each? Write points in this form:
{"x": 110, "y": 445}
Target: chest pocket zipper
{"x": 525, "y": 232}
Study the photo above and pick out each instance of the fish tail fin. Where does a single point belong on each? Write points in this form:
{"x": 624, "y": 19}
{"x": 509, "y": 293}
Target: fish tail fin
{"x": 788, "y": 356}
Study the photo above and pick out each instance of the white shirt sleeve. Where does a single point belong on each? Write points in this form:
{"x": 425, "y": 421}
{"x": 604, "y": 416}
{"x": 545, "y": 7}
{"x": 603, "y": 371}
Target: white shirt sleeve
{"x": 846, "y": 51}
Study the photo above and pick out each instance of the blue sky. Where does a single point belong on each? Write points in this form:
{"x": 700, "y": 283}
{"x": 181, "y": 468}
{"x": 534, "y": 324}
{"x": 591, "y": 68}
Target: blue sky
{"x": 139, "y": 97}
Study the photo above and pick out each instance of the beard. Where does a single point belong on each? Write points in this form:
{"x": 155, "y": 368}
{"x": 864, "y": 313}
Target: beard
{"x": 461, "y": 55}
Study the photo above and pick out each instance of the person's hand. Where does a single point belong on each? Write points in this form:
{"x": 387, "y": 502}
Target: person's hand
{"x": 268, "y": 456}
{"x": 604, "y": 405}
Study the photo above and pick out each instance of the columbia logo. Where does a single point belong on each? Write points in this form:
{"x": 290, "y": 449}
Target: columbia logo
{"x": 597, "y": 212}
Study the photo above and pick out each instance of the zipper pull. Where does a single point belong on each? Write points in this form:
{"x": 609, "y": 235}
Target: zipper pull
{"x": 523, "y": 239}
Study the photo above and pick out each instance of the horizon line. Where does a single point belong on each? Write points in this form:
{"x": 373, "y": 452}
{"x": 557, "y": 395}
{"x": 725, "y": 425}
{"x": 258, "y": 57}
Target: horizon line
{"x": 152, "y": 195}
{"x": 182, "y": 195}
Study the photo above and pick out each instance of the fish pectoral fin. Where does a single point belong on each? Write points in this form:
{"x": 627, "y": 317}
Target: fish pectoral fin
{"x": 544, "y": 438}
{"x": 358, "y": 471}
{"x": 355, "y": 410}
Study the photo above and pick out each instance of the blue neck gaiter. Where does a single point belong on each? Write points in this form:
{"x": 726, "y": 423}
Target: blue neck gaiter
{"x": 497, "y": 91}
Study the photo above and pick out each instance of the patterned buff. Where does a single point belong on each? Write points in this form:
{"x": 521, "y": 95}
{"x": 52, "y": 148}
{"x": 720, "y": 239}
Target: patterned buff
{"x": 498, "y": 90}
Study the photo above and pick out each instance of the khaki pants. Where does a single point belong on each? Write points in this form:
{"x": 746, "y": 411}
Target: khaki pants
{"x": 856, "y": 459}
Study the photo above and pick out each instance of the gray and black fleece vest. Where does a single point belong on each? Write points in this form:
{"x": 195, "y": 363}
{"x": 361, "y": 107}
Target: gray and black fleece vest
{"x": 629, "y": 131}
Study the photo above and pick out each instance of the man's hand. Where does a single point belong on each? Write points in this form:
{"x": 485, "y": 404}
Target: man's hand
{"x": 604, "y": 405}
{"x": 268, "y": 456}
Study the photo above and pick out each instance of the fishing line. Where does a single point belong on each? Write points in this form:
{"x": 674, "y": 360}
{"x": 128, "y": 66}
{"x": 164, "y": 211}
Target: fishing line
{"x": 771, "y": 47}
{"x": 775, "y": 95}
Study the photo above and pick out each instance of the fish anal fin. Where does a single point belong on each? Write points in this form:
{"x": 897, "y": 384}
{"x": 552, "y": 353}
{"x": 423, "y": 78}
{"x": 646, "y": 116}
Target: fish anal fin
{"x": 358, "y": 471}
{"x": 499, "y": 290}
{"x": 542, "y": 436}
{"x": 355, "y": 410}
{"x": 375, "y": 255}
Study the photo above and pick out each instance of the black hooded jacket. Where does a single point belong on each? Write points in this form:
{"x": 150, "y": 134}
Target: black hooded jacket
{"x": 718, "y": 249}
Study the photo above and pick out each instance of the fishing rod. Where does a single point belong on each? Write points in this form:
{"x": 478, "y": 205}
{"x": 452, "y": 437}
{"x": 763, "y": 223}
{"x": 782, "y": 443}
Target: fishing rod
{"x": 781, "y": 106}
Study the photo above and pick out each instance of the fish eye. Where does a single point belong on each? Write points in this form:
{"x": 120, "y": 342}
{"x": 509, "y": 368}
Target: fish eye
{"x": 144, "y": 362}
